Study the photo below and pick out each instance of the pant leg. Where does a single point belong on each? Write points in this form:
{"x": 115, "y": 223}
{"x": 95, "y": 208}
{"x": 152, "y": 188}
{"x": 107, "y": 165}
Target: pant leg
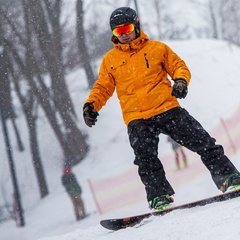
{"x": 73, "y": 198}
{"x": 78, "y": 204}
{"x": 187, "y": 131}
{"x": 144, "y": 141}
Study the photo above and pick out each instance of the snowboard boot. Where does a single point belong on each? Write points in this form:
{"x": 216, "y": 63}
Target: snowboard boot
{"x": 231, "y": 183}
{"x": 160, "y": 203}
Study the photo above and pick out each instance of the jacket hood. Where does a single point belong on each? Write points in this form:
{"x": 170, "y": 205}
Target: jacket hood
{"x": 133, "y": 45}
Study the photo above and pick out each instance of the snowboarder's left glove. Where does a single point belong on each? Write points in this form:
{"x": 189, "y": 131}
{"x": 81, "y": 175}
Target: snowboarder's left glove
{"x": 179, "y": 89}
{"x": 89, "y": 114}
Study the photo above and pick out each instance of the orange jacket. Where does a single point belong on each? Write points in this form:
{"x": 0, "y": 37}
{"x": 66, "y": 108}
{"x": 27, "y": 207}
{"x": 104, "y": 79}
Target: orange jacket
{"x": 139, "y": 72}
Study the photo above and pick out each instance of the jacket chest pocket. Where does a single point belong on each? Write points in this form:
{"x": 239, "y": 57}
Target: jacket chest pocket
{"x": 120, "y": 70}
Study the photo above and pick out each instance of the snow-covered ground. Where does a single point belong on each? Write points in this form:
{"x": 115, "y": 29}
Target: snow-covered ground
{"x": 213, "y": 94}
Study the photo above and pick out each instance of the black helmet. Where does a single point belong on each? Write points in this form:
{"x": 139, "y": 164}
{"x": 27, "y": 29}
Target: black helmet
{"x": 124, "y": 15}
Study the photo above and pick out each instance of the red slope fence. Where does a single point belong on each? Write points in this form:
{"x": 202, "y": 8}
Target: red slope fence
{"x": 117, "y": 191}
{"x": 227, "y": 132}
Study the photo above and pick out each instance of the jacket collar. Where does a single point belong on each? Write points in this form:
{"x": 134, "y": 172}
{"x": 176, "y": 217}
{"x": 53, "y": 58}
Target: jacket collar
{"x": 136, "y": 44}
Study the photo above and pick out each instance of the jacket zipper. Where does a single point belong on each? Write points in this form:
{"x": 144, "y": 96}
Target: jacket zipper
{"x": 147, "y": 64}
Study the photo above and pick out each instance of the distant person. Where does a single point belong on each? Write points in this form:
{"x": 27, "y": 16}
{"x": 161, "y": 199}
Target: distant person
{"x": 142, "y": 72}
{"x": 74, "y": 190}
{"x": 179, "y": 153}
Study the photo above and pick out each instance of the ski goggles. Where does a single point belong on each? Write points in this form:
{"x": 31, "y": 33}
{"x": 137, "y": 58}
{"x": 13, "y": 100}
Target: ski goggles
{"x": 123, "y": 29}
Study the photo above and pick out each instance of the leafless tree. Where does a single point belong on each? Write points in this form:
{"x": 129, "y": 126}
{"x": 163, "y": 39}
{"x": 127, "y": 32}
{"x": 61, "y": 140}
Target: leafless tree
{"x": 82, "y": 44}
{"x": 27, "y": 103}
{"x": 45, "y": 20}
{"x": 166, "y": 24}
{"x": 158, "y": 5}
{"x": 230, "y": 20}
{"x": 224, "y": 20}
{"x": 33, "y": 39}
{"x": 213, "y": 20}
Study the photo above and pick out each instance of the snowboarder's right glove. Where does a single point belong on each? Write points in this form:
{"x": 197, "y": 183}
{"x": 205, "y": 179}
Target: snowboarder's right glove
{"x": 179, "y": 89}
{"x": 89, "y": 114}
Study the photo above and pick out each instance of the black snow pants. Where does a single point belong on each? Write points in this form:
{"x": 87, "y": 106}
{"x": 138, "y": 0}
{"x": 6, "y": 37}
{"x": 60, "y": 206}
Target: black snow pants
{"x": 185, "y": 130}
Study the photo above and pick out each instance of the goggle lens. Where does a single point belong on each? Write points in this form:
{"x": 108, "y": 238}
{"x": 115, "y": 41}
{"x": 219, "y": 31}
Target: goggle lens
{"x": 123, "y": 29}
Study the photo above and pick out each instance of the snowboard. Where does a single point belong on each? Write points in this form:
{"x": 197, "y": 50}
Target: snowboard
{"x": 121, "y": 223}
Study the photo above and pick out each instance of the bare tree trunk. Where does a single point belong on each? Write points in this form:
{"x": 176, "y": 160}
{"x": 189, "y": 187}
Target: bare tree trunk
{"x": 158, "y": 7}
{"x": 39, "y": 39}
{"x": 51, "y": 48}
{"x": 28, "y": 108}
{"x": 36, "y": 157}
{"x": 19, "y": 140}
{"x": 74, "y": 145}
{"x": 7, "y": 100}
{"x": 82, "y": 46}
{"x": 8, "y": 68}
{"x": 215, "y": 32}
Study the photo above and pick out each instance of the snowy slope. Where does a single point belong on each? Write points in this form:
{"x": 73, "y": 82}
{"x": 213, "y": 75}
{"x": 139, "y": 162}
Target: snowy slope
{"x": 216, "y": 221}
{"x": 213, "y": 93}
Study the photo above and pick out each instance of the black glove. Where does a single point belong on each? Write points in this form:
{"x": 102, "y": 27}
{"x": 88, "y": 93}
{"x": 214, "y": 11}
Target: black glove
{"x": 179, "y": 89}
{"x": 89, "y": 114}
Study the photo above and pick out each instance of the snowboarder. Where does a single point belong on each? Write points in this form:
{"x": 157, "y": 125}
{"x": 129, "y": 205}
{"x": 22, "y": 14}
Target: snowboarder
{"x": 179, "y": 152}
{"x": 138, "y": 68}
{"x": 74, "y": 190}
